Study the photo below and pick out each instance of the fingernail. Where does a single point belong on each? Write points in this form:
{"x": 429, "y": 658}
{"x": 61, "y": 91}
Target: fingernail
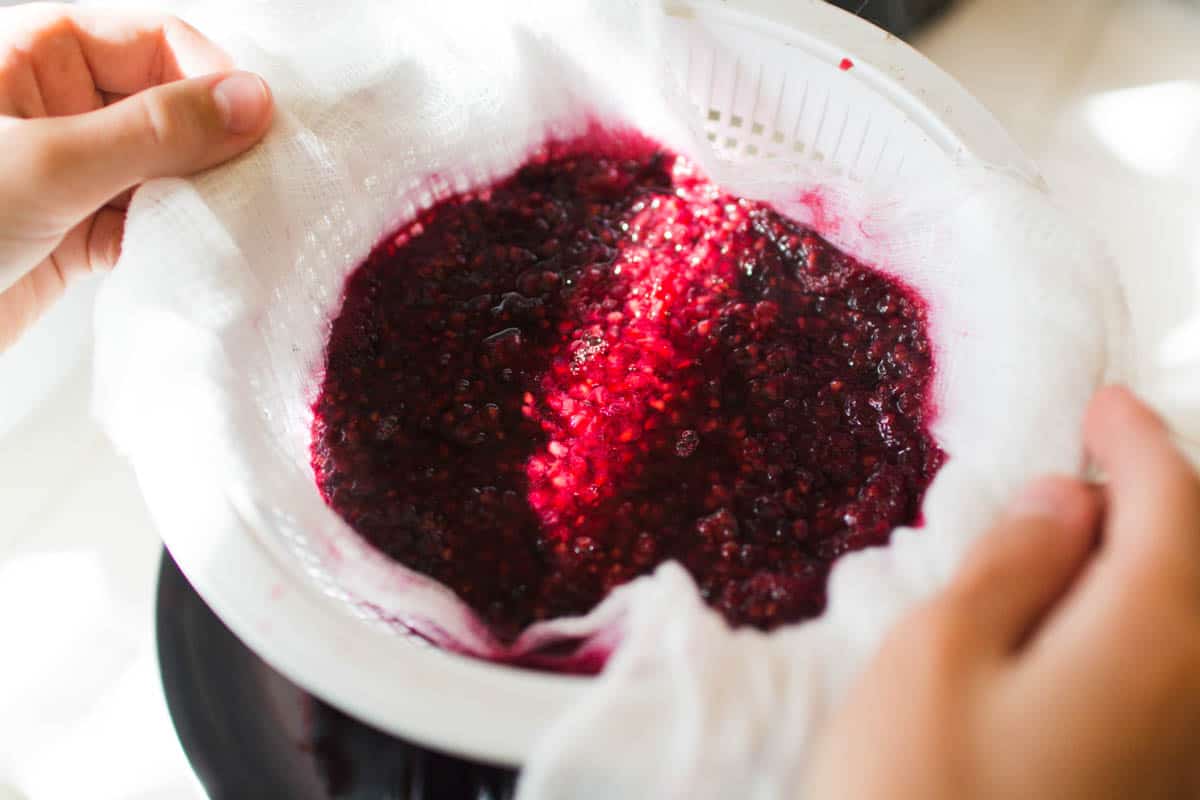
{"x": 242, "y": 100}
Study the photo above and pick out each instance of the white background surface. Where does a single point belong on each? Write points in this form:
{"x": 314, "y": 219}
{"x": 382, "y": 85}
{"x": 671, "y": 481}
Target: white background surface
{"x": 1105, "y": 94}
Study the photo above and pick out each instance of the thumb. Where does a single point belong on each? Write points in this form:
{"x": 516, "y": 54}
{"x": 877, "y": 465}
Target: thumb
{"x": 1017, "y": 573}
{"x": 81, "y": 162}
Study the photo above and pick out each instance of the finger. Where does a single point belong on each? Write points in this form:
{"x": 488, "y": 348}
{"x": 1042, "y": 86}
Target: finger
{"x": 125, "y": 52}
{"x": 22, "y": 303}
{"x": 132, "y": 52}
{"x": 61, "y": 73}
{"x": 20, "y": 95}
{"x": 79, "y": 163}
{"x": 1153, "y": 492}
{"x": 104, "y": 239}
{"x": 1018, "y": 572}
{"x": 91, "y": 246}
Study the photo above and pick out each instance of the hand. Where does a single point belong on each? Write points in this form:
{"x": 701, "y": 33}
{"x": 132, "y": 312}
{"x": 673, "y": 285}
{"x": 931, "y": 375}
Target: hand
{"x": 1063, "y": 662}
{"x": 92, "y": 104}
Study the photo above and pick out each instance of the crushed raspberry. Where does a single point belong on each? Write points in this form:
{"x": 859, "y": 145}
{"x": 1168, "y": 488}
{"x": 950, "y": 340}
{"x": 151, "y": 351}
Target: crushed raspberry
{"x": 538, "y": 391}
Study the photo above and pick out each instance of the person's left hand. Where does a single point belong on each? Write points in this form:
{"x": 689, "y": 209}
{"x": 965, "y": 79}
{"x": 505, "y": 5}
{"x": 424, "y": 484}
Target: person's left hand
{"x": 92, "y": 104}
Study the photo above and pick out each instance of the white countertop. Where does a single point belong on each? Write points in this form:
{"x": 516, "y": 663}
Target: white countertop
{"x": 1105, "y": 94}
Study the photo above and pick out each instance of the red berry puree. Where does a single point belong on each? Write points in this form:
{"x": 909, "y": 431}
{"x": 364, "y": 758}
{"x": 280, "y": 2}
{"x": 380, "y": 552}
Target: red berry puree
{"x": 538, "y": 391}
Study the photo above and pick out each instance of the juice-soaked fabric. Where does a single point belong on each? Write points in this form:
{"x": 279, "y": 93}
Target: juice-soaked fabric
{"x": 210, "y": 337}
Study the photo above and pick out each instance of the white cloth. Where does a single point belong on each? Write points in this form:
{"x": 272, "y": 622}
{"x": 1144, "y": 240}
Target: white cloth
{"x": 380, "y": 114}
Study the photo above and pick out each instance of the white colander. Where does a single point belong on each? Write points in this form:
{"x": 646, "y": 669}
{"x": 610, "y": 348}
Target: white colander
{"x": 769, "y": 77}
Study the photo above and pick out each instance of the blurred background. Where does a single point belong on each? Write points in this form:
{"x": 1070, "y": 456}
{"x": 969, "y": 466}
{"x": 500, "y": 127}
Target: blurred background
{"x": 1103, "y": 94}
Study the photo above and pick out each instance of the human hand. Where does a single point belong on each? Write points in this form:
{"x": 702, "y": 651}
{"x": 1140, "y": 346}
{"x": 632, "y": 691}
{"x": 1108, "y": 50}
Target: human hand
{"x": 1062, "y": 662}
{"x": 92, "y": 104}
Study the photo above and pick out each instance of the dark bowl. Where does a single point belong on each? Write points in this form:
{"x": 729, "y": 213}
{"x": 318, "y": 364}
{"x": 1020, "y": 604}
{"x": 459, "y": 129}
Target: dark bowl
{"x": 901, "y": 17}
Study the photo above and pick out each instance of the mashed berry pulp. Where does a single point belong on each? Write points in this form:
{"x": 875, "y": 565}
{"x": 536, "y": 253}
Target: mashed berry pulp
{"x": 538, "y": 391}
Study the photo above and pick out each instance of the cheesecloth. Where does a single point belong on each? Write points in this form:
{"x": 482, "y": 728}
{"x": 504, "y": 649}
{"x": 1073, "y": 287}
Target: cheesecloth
{"x": 210, "y": 336}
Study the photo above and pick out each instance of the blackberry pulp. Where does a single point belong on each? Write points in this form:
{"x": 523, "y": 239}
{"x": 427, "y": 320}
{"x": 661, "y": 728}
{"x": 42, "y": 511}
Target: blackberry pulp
{"x": 538, "y": 391}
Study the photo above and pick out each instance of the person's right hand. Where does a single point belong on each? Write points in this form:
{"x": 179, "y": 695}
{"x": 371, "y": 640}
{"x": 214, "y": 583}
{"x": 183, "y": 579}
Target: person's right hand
{"x": 1063, "y": 662}
{"x": 93, "y": 103}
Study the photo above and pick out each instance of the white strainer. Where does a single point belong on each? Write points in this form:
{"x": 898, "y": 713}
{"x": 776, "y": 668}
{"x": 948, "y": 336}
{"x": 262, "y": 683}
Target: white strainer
{"x": 770, "y": 77}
